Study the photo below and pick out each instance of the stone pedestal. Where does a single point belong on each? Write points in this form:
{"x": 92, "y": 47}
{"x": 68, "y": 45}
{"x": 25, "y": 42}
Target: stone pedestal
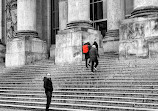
{"x": 69, "y": 44}
{"x": 139, "y": 38}
{"x": 24, "y": 50}
{"x": 115, "y": 13}
{"x": 2, "y": 46}
{"x": 2, "y": 53}
{"x": 52, "y": 52}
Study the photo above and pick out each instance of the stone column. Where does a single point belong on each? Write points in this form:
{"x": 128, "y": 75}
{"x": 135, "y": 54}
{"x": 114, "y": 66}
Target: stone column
{"x": 1, "y": 20}
{"x": 49, "y": 24}
{"x": 2, "y": 47}
{"x": 115, "y": 13}
{"x": 27, "y": 47}
{"x": 104, "y": 9}
{"x": 63, "y": 14}
{"x": 78, "y": 13}
{"x": 26, "y": 15}
{"x": 145, "y": 8}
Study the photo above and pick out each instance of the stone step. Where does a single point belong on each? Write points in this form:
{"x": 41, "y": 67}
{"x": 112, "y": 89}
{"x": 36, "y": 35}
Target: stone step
{"x": 77, "y": 93}
{"x": 39, "y": 87}
{"x": 59, "y": 108}
{"x": 112, "y": 82}
{"x": 88, "y": 72}
{"x": 109, "y": 103}
{"x": 85, "y": 77}
{"x": 88, "y": 105}
{"x": 110, "y": 89}
{"x": 120, "y": 90}
{"x": 82, "y": 97}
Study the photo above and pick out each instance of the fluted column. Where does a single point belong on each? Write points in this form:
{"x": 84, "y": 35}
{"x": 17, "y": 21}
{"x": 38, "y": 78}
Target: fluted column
{"x": 104, "y": 9}
{"x": 144, "y": 8}
{"x": 78, "y": 13}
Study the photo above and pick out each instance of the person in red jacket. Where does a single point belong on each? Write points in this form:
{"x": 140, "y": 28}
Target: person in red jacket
{"x": 87, "y": 54}
{"x": 93, "y": 57}
{"x": 48, "y": 89}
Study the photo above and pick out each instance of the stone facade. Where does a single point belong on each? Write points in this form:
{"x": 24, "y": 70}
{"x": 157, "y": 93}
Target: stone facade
{"x": 139, "y": 38}
{"x": 29, "y": 26}
{"x": 139, "y": 34}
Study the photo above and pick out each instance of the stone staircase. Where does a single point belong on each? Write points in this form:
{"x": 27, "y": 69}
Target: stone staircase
{"x": 118, "y": 85}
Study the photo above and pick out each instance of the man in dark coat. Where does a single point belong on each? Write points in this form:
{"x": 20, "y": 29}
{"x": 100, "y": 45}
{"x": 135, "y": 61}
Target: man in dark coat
{"x": 96, "y": 44}
{"x": 93, "y": 57}
{"x": 48, "y": 89}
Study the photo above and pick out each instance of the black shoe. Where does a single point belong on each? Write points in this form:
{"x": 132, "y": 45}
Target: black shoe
{"x": 89, "y": 65}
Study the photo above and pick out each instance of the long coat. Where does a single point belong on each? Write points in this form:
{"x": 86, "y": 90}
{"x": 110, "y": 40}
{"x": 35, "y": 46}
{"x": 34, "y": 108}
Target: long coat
{"x": 48, "y": 85}
{"x": 93, "y": 54}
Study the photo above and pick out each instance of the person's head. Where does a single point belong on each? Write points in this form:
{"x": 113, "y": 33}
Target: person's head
{"x": 93, "y": 46}
{"x": 88, "y": 43}
{"x": 48, "y": 75}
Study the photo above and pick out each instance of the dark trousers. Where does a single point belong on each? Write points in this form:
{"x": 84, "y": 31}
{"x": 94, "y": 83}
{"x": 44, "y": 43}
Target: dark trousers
{"x": 49, "y": 96}
{"x": 87, "y": 62}
{"x": 96, "y": 64}
{"x": 86, "y": 58}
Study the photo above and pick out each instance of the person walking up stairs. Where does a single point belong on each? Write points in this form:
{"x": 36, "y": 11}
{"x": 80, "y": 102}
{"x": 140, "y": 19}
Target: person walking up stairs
{"x": 94, "y": 58}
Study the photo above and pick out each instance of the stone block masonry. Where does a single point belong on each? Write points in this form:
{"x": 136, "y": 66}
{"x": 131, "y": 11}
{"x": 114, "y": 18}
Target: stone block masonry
{"x": 69, "y": 44}
{"x": 25, "y": 51}
{"x": 139, "y": 38}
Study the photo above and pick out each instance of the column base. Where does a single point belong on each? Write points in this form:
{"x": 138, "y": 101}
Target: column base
{"x": 75, "y": 24}
{"x": 150, "y": 11}
{"x": 111, "y": 41}
{"x": 24, "y": 50}
{"x": 69, "y": 44}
